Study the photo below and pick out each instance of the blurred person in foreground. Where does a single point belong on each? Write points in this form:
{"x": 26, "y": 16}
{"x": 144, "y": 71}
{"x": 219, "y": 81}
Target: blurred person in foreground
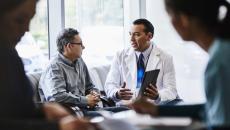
{"x": 204, "y": 22}
{"x": 17, "y": 110}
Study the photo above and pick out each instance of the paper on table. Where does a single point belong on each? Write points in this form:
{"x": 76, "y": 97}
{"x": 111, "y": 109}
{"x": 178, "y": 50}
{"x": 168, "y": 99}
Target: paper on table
{"x": 108, "y": 122}
{"x": 115, "y": 124}
{"x": 138, "y": 119}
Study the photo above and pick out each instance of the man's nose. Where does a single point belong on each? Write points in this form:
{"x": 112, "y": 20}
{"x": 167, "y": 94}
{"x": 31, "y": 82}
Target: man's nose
{"x": 83, "y": 47}
{"x": 132, "y": 38}
{"x": 26, "y": 27}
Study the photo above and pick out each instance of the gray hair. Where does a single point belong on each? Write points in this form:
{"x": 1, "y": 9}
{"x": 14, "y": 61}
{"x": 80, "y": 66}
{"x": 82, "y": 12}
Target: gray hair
{"x": 66, "y": 36}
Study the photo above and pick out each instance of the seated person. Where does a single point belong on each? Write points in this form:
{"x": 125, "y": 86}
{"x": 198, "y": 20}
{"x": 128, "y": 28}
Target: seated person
{"x": 66, "y": 79}
{"x": 124, "y": 78}
{"x": 212, "y": 34}
{"x": 18, "y": 111}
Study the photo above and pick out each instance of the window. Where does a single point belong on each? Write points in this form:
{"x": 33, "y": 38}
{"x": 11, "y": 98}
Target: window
{"x": 100, "y": 23}
{"x": 189, "y": 59}
{"x": 33, "y": 47}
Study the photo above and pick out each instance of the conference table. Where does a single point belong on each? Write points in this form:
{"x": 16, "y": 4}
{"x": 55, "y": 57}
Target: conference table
{"x": 130, "y": 120}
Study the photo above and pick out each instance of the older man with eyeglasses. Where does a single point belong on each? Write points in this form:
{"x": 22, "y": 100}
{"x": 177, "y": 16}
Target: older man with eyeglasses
{"x": 66, "y": 79}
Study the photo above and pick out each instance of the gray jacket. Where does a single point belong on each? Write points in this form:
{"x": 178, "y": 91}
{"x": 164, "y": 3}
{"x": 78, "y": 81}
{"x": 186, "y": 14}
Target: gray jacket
{"x": 66, "y": 82}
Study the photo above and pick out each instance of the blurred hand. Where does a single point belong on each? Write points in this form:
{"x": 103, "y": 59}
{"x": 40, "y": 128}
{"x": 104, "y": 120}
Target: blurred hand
{"x": 54, "y": 111}
{"x": 71, "y": 123}
{"x": 145, "y": 107}
{"x": 95, "y": 93}
{"x": 124, "y": 93}
{"x": 151, "y": 92}
{"x": 92, "y": 100}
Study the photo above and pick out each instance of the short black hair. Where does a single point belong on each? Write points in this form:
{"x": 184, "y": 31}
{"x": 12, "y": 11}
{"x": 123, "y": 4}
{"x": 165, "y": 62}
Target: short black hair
{"x": 204, "y": 11}
{"x": 66, "y": 36}
{"x": 148, "y": 25}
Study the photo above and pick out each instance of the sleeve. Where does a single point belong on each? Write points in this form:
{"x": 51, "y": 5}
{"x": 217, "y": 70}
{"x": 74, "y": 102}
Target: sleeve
{"x": 217, "y": 88}
{"x": 53, "y": 85}
{"x": 169, "y": 91}
{"x": 17, "y": 109}
{"x": 15, "y": 91}
{"x": 113, "y": 80}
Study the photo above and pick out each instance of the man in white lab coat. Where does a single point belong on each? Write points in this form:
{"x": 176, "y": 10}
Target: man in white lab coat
{"x": 122, "y": 81}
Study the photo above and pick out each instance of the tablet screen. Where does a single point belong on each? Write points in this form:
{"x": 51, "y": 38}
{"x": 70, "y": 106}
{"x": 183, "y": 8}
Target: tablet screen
{"x": 149, "y": 77}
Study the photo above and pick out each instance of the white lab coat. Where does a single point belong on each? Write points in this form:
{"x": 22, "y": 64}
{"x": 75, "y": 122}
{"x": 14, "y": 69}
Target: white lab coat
{"x": 124, "y": 69}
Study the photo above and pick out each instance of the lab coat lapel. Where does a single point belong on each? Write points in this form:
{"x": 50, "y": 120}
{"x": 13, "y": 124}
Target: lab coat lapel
{"x": 154, "y": 59}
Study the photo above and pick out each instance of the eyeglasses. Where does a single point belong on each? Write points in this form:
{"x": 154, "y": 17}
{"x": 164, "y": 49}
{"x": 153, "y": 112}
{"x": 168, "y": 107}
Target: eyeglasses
{"x": 78, "y": 43}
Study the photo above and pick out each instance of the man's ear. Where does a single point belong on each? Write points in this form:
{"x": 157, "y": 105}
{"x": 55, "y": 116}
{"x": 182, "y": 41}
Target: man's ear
{"x": 68, "y": 45}
{"x": 150, "y": 36}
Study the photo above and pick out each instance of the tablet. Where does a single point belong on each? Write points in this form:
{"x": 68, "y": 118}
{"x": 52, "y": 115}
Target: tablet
{"x": 149, "y": 77}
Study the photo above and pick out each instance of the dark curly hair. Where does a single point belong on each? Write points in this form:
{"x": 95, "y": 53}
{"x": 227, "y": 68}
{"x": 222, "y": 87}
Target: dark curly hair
{"x": 204, "y": 11}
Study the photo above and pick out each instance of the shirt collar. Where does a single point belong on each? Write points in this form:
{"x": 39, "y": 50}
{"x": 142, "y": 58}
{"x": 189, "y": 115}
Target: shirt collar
{"x": 146, "y": 52}
{"x": 213, "y": 47}
{"x": 67, "y": 61}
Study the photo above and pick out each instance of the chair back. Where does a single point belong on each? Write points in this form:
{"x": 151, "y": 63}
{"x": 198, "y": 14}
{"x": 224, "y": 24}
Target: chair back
{"x": 34, "y": 80}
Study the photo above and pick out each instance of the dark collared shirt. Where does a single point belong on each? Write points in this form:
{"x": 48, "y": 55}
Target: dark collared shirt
{"x": 17, "y": 110}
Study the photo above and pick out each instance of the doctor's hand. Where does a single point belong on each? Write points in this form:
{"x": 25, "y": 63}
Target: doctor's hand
{"x": 151, "y": 92}
{"x": 143, "y": 106}
{"x": 124, "y": 93}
